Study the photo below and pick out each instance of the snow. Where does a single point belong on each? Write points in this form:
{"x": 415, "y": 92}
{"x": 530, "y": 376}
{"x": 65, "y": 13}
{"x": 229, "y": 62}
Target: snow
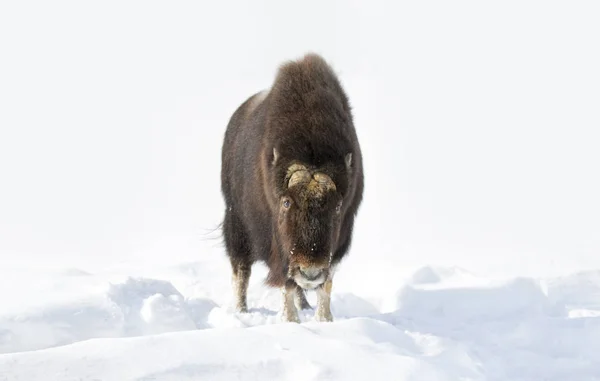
{"x": 475, "y": 254}
{"x": 439, "y": 324}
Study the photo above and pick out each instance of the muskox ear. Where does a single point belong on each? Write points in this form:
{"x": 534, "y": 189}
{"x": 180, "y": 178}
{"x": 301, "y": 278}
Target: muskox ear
{"x": 349, "y": 161}
{"x": 275, "y": 156}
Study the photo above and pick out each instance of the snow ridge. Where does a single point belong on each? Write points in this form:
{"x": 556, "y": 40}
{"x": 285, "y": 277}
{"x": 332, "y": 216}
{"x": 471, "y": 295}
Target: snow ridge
{"x": 439, "y": 324}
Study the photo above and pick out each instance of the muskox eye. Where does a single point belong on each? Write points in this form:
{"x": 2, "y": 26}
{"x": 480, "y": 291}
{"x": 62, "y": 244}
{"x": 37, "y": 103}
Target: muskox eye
{"x": 287, "y": 203}
{"x": 338, "y": 208}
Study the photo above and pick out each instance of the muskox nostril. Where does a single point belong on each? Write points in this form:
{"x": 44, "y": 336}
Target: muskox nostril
{"x": 311, "y": 273}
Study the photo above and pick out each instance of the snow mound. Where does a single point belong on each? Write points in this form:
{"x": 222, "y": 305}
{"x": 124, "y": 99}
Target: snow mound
{"x": 519, "y": 329}
{"x": 517, "y": 296}
{"x": 580, "y": 290}
{"x": 356, "y": 349}
{"x": 134, "y": 307}
{"x": 151, "y": 306}
{"x": 440, "y": 324}
{"x": 436, "y": 274}
{"x": 59, "y": 325}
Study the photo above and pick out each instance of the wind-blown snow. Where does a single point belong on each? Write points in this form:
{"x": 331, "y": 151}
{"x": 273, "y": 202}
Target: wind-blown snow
{"x": 475, "y": 252}
{"x": 438, "y": 324}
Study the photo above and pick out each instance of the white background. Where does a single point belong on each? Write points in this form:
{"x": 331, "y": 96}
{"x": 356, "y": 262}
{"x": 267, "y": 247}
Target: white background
{"x": 479, "y": 125}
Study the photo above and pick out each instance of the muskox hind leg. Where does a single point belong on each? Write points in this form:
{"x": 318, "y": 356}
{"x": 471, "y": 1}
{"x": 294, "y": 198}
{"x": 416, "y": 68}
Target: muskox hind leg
{"x": 238, "y": 251}
{"x": 300, "y": 299}
{"x": 240, "y": 278}
{"x": 323, "y": 312}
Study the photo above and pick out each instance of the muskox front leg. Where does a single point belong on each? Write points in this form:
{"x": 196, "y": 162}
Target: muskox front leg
{"x": 323, "y": 312}
{"x": 289, "y": 312}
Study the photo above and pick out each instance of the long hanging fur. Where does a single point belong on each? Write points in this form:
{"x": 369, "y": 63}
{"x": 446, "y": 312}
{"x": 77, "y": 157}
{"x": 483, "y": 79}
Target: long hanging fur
{"x": 304, "y": 118}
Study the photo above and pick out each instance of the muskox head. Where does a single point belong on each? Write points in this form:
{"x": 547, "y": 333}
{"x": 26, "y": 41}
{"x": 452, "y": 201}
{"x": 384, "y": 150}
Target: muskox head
{"x": 308, "y": 224}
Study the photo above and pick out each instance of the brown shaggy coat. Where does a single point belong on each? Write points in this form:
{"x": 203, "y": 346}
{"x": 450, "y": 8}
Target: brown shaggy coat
{"x": 303, "y": 122}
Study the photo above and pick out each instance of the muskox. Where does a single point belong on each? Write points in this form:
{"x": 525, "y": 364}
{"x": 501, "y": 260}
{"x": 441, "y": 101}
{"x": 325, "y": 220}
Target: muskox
{"x": 292, "y": 180}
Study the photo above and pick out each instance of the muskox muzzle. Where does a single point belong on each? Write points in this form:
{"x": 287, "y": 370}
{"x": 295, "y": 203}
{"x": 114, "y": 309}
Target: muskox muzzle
{"x": 310, "y": 277}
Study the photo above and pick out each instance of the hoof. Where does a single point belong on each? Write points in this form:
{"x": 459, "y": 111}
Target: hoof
{"x": 290, "y": 318}
{"x": 322, "y": 316}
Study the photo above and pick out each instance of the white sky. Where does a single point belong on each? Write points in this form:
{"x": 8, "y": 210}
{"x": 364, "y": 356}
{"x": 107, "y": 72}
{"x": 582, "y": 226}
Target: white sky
{"x": 479, "y": 124}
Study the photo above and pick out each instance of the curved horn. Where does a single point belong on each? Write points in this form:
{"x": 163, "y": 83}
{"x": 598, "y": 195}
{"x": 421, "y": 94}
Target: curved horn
{"x": 324, "y": 181}
{"x": 299, "y": 175}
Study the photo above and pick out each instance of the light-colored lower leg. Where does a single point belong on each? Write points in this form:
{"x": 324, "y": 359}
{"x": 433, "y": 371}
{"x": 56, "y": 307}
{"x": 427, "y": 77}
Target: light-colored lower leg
{"x": 323, "y": 312}
{"x": 300, "y": 300}
{"x": 289, "y": 313}
{"x": 240, "y": 288}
